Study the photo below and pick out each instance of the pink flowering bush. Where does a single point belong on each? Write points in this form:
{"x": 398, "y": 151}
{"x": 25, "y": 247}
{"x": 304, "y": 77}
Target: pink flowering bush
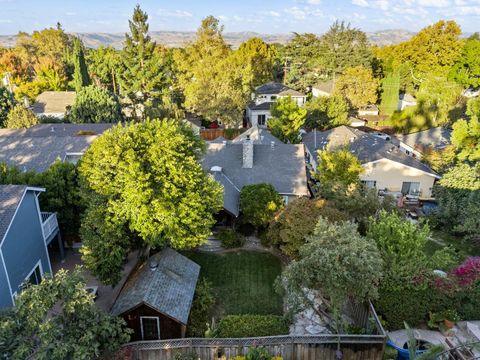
{"x": 468, "y": 272}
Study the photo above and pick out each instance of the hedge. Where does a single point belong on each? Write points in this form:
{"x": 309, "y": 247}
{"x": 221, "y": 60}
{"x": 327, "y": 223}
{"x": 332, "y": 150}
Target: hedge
{"x": 237, "y": 326}
{"x": 230, "y": 239}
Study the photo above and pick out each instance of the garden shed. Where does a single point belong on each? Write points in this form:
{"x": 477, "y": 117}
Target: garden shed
{"x": 156, "y": 300}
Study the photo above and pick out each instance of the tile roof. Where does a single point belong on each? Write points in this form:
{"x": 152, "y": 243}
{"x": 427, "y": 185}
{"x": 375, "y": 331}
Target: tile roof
{"x": 273, "y": 88}
{"x": 10, "y": 197}
{"x": 436, "y": 137}
{"x": 283, "y": 166}
{"x": 258, "y": 136}
{"x": 53, "y": 102}
{"x": 168, "y": 289}
{"x": 365, "y": 146}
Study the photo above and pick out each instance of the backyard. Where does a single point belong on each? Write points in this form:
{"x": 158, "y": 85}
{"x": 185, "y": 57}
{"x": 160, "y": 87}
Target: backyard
{"x": 440, "y": 239}
{"x": 242, "y": 281}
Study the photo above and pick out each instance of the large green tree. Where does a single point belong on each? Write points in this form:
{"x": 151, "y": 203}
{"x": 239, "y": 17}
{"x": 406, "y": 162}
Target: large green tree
{"x": 466, "y": 70}
{"x": 466, "y": 134}
{"x": 20, "y": 118}
{"x": 324, "y": 112}
{"x": 7, "y": 102}
{"x": 358, "y": 86}
{"x": 76, "y": 329}
{"x": 287, "y": 119}
{"x": 259, "y": 203}
{"x": 338, "y": 264}
{"x": 80, "y": 71}
{"x": 149, "y": 181}
{"x": 105, "y": 67}
{"x": 95, "y": 105}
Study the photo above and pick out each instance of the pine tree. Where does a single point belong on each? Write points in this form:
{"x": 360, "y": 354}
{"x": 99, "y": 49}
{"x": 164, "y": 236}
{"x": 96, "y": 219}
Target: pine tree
{"x": 144, "y": 74}
{"x": 80, "y": 74}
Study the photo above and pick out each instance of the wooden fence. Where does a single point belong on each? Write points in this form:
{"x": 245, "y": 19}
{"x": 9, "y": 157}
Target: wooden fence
{"x": 309, "y": 347}
{"x": 211, "y": 134}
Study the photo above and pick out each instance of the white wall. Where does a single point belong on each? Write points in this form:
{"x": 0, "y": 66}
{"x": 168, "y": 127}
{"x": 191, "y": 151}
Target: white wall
{"x": 253, "y": 116}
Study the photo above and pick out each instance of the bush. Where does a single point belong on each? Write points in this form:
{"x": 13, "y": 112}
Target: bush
{"x": 246, "y": 229}
{"x": 202, "y": 305}
{"x": 20, "y": 118}
{"x": 230, "y": 238}
{"x": 237, "y": 326}
{"x": 259, "y": 203}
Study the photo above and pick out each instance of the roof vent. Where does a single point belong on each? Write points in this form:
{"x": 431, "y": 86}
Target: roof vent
{"x": 272, "y": 144}
{"x": 52, "y": 129}
{"x": 224, "y": 142}
{"x": 216, "y": 169}
{"x": 153, "y": 265}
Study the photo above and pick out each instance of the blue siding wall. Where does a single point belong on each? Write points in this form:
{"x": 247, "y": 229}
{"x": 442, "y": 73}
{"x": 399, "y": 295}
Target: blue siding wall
{"x": 24, "y": 245}
{"x": 5, "y": 298}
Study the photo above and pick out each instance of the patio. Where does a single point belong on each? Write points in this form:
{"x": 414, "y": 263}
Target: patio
{"x": 106, "y": 295}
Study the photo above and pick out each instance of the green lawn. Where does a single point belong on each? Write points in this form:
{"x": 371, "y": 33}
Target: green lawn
{"x": 242, "y": 280}
{"x": 461, "y": 245}
{"x": 390, "y": 88}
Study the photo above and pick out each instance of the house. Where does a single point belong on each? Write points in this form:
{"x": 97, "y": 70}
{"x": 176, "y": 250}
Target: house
{"x": 369, "y": 110}
{"x": 471, "y": 92}
{"x": 38, "y": 147}
{"x": 26, "y": 234}
{"x": 406, "y": 100}
{"x": 387, "y": 168}
{"x": 415, "y": 144}
{"x": 53, "y": 103}
{"x": 247, "y": 162}
{"x": 194, "y": 122}
{"x": 356, "y": 122}
{"x": 257, "y": 136}
{"x": 323, "y": 89}
{"x": 258, "y": 111}
{"x": 156, "y": 299}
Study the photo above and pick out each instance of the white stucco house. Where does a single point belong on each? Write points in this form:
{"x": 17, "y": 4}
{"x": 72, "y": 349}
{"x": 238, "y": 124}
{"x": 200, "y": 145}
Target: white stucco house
{"x": 406, "y": 100}
{"x": 258, "y": 111}
{"x": 387, "y": 168}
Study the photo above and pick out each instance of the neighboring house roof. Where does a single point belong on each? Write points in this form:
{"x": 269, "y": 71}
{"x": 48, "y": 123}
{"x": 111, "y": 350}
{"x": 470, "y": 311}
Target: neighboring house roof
{"x": 262, "y": 106}
{"x": 282, "y": 165}
{"x": 369, "y": 107}
{"x": 57, "y": 130}
{"x": 53, "y": 102}
{"x": 273, "y": 88}
{"x": 218, "y": 140}
{"x": 326, "y": 86}
{"x": 435, "y": 137}
{"x": 367, "y": 147}
{"x": 258, "y": 136}
{"x": 169, "y": 288}
{"x": 407, "y": 97}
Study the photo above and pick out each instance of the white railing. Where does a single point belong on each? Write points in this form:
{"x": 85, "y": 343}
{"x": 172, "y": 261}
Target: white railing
{"x": 49, "y": 224}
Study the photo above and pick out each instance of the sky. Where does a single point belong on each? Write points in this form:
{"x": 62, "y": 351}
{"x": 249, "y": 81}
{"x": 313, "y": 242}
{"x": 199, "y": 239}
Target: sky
{"x": 267, "y": 16}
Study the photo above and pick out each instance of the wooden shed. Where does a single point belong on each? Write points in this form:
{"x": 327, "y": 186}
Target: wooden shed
{"x": 156, "y": 300}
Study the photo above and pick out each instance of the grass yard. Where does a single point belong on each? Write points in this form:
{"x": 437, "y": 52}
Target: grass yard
{"x": 242, "y": 281}
{"x": 462, "y": 246}
{"x": 390, "y": 88}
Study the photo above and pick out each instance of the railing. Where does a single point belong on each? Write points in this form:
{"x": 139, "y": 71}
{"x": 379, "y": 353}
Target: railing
{"x": 49, "y": 224}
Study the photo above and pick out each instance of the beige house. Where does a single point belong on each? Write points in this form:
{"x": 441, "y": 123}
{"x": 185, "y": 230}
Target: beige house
{"x": 387, "y": 168}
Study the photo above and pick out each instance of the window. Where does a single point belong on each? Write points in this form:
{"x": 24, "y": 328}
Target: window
{"x": 261, "y": 119}
{"x": 411, "y": 188}
{"x": 35, "y": 277}
{"x": 370, "y": 184}
{"x": 150, "y": 326}
{"x": 73, "y": 158}
{"x": 285, "y": 199}
{"x": 273, "y": 97}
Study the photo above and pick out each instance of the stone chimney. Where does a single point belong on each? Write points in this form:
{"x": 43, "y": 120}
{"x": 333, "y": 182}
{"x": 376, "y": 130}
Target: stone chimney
{"x": 247, "y": 154}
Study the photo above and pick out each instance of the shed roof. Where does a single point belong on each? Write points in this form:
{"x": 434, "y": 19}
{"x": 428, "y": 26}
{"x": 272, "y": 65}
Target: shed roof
{"x": 53, "y": 102}
{"x": 169, "y": 288}
{"x": 367, "y": 147}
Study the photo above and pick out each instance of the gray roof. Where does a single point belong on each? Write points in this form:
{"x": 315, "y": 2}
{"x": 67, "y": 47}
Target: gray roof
{"x": 436, "y": 137}
{"x": 38, "y": 147}
{"x": 283, "y": 166}
{"x": 325, "y": 86}
{"x": 53, "y": 102}
{"x": 273, "y": 88}
{"x": 10, "y": 197}
{"x": 407, "y": 97}
{"x": 266, "y": 105}
{"x": 365, "y": 146}
{"x": 168, "y": 289}
{"x": 231, "y": 194}
{"x": 258, "y": 136}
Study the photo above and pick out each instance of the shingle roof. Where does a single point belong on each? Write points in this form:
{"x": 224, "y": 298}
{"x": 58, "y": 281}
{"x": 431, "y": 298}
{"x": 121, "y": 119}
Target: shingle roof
{"x": 435, "y": 137}
{"x": 231, "y": 194}
{"x": 283, "y": 166}
{"x": 326, "y": 86}
{"x": 53, "y": 102}
{"x": 407, "y": 97}
{"x": 258, "y": 136}
{"x": 10, "y": 197}
{"x": 168, "y": 289}
{"x": 57, "y": 130}
{"x": 273, "y": 88}
{"x": 266, "y": 105}
{"x": 365, "y": 146}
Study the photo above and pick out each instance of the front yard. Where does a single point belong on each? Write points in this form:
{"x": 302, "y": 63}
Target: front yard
{"x": 242, "y": 281}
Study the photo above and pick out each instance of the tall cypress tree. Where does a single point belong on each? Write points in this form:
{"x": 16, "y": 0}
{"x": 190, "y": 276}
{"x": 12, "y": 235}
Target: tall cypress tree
{"x": 80, "y": 73}
{"x": 144, "y": 73}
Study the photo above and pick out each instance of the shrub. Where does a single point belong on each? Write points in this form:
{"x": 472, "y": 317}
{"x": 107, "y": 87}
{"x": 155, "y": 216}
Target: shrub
{"x": 20, "y": 118}
{"x": 246, "y": 229}
{"x": 258, "y": 353}
{"x": 259, "y": 203}
{"x": 202, "y": 305}
{"x": 230, "y": 238}
{"x": 252, "y": 325}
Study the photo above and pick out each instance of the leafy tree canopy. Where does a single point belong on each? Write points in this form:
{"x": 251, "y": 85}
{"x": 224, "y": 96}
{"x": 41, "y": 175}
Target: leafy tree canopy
{"x": 466, "y": 134}
{"x": 287, "y": 119}
{"x": 95, "y": 105}
{"x": 466, "y": 70}
{"x": 324, "y": 112}
{"x": 7, "y": 102}
{"x": 259, "y": 59}
{"x": 259, "y": 203}
{"x": 74, "y": 330}
{"x": 20, "y": 118}
{"x": 105, "y": 66}
{"x": 358, "y": 86}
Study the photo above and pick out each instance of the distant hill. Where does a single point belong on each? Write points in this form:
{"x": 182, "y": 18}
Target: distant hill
{"x": 179, "y": 38}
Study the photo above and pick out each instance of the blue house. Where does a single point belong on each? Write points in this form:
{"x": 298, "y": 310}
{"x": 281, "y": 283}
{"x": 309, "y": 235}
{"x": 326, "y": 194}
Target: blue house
{"x": 26, "y": 234}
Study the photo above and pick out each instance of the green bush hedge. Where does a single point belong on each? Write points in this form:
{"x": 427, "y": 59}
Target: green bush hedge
{"x": 230, "y": 238}
{"x": 252, "y": 325}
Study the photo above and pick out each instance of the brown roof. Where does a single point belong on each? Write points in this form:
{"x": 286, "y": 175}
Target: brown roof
{"x": 53, "y": 102}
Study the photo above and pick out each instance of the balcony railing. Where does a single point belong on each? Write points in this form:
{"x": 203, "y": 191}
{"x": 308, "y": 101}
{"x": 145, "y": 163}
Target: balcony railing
{"x": 49, "y": 224}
